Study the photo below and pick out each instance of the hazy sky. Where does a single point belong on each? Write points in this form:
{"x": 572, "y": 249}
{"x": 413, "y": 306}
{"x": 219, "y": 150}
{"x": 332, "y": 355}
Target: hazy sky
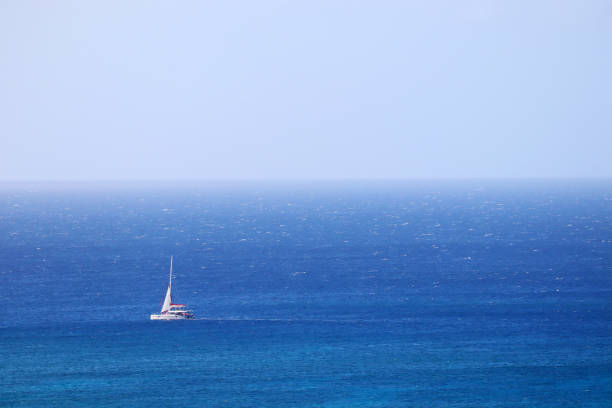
{"x": 305, "y": 89}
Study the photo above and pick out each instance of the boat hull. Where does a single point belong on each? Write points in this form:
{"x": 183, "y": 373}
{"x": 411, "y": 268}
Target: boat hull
{"x": 170, "y": 317}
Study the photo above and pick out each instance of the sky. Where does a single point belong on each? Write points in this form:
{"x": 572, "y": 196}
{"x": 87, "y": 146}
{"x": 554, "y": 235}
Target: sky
{"x": 223, "y": 90}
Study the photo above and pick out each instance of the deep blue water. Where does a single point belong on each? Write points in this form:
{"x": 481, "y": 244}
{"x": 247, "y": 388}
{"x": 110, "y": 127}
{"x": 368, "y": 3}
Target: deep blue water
{"x": 424, "y": 294}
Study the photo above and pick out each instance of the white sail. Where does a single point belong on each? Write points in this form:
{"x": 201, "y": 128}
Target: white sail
{"x": 168, "y": 299}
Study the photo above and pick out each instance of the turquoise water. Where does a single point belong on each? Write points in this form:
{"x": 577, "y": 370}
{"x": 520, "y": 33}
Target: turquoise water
{"x": 370, "y": 295}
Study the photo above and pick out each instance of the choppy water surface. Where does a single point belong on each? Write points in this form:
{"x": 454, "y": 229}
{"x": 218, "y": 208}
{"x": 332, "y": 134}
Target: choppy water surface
{"x": 337, "y": 295}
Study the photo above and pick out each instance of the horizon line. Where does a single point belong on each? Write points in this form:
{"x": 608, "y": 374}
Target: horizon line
{"x": 301, "y": 180}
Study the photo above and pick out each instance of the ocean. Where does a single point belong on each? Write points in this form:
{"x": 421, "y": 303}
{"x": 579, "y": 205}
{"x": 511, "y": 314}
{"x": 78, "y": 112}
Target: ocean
{"x": 480, "y": 293}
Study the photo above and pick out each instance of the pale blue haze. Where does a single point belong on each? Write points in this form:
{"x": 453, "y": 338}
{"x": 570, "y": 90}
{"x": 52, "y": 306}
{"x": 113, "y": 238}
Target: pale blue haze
{"x": 304, "y": 90}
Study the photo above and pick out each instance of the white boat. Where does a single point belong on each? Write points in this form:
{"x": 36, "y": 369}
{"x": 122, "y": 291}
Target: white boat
{"x": 172, "y": 311}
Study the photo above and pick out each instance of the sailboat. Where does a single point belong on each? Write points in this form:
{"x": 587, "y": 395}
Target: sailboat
{"x": 172, "y": 311}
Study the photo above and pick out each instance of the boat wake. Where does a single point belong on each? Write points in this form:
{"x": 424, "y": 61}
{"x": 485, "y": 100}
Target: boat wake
{"x": 304, "y": 320}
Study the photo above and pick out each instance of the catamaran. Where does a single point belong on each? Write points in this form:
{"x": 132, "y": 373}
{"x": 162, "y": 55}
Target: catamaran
{"x": 172, "y": 311}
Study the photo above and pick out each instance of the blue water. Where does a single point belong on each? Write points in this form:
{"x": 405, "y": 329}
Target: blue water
{"x": 424, "y": 294}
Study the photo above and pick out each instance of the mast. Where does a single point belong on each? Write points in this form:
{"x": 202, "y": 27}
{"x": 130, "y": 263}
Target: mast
{"x": 170, "y": 284}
